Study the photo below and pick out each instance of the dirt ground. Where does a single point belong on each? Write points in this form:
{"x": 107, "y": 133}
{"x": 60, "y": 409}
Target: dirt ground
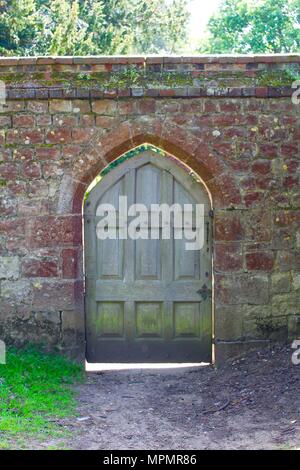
{"x": 251, "y": 403}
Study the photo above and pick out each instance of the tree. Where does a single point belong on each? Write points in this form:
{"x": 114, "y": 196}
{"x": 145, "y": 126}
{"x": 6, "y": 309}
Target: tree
{"x": 160, "y": 26}
{"x": 78, "y": 27}
{"x": 19, "y": 26}
{"x": 248, "y": 26}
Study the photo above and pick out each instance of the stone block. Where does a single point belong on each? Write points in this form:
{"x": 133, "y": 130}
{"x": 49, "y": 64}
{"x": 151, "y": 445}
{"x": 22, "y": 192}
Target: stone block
{"x": 105, "y": 107}
{"x": 294, "y": 327}
{"x": 287, "y": 304}
{"x": 228, "y": 257}
{"x": 15, "y": 291}
{"x": 60, "y": 106}
{"x": 281, "y": 283}
{"x": 55, "y": 230}
{"x": 228, "y": 322}
{"x": 242, "y": 289}
{"x": 225, "y": 351}
{"x": 70, "y": 263}
{"x": 9, "y": 267}
{"x": 228, "y": 226}
{"x": 253, "y": 317}
{"x": 260, "y": 261}
{"x": 34, "y": 267}
{"x": 296, "y": 281}
{"x": 53, "y": 295}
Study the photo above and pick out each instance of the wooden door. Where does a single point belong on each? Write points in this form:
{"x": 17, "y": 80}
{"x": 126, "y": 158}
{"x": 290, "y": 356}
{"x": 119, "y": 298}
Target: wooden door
{"x": 147, "y": 300}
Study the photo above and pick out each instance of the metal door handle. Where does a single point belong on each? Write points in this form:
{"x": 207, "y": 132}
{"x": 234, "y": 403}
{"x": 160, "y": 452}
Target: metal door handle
{"x": 204, "y": 292}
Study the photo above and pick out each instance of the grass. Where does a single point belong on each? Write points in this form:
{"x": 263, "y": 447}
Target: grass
{"x": 35, "y": 390}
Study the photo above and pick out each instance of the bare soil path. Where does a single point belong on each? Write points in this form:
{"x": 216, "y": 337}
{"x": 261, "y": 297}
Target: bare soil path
{"x": 252, "y": 403}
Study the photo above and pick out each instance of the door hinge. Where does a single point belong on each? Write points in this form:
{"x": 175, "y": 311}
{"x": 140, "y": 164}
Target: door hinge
{"x": 211, "y": 213}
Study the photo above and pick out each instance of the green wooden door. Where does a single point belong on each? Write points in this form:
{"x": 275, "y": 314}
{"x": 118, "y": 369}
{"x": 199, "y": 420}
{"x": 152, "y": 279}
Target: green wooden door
{"x": 147, "y": 300}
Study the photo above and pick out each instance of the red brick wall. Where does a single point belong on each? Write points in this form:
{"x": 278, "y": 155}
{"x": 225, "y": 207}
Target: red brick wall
{"x": 241, "y": 137}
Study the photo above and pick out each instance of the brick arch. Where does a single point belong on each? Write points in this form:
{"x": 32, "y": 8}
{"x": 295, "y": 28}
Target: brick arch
{"x": 174, "y": 140}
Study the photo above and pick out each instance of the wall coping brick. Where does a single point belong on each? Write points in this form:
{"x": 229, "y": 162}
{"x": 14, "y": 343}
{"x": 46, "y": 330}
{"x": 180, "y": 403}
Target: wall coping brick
{"x": 175, "y": 59}
{"x": 98, "y": 77}
{"x": 183, "y": 92}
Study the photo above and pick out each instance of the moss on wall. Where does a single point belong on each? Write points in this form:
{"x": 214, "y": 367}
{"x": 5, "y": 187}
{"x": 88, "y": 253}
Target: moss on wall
{"x": 135, "y": 77}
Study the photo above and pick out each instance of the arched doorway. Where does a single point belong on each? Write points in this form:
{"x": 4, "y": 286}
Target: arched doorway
{"x": 148, "y": 299}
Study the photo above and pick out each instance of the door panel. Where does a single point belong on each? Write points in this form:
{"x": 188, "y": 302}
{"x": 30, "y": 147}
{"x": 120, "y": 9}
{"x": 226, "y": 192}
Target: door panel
{"x": 187, "y": 319}
{"x": 148, "y": 259}
{"x": 110, "y": 319}
{"x": 110, "y": 255}
{"x": 149, "y": 319}
{"x": 186, "y": 263}
{"x": 148, "y": 185}
{"x": 145, "y": 298}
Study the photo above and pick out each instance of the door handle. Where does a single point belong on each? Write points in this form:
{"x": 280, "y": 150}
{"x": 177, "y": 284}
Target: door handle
{"x": 205, "y": 292}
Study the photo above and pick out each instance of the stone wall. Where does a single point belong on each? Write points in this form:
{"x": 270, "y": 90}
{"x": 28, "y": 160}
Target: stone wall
{"x": 231, "y": 119}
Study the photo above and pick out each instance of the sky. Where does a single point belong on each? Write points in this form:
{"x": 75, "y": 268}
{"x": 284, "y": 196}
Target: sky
{"x": 201, "y": 10}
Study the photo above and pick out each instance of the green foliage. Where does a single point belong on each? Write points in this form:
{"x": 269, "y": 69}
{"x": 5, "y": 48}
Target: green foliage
{"x": 260, "y": 26}
{"x": 278, "y": 78}
{"x": 82, "y": 27}
{"x": 131, "y": 153}
{"x": 35, "y": 387}
{"x": 20, "y": 26}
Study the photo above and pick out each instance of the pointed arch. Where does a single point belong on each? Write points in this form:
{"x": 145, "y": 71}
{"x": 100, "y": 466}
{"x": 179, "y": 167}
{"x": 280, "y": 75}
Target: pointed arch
{"x": 185, "y": 147}
{"x": 145, "y": 281}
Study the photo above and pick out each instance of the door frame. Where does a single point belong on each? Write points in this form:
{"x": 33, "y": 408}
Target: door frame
{"x": 187, "y": 178}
